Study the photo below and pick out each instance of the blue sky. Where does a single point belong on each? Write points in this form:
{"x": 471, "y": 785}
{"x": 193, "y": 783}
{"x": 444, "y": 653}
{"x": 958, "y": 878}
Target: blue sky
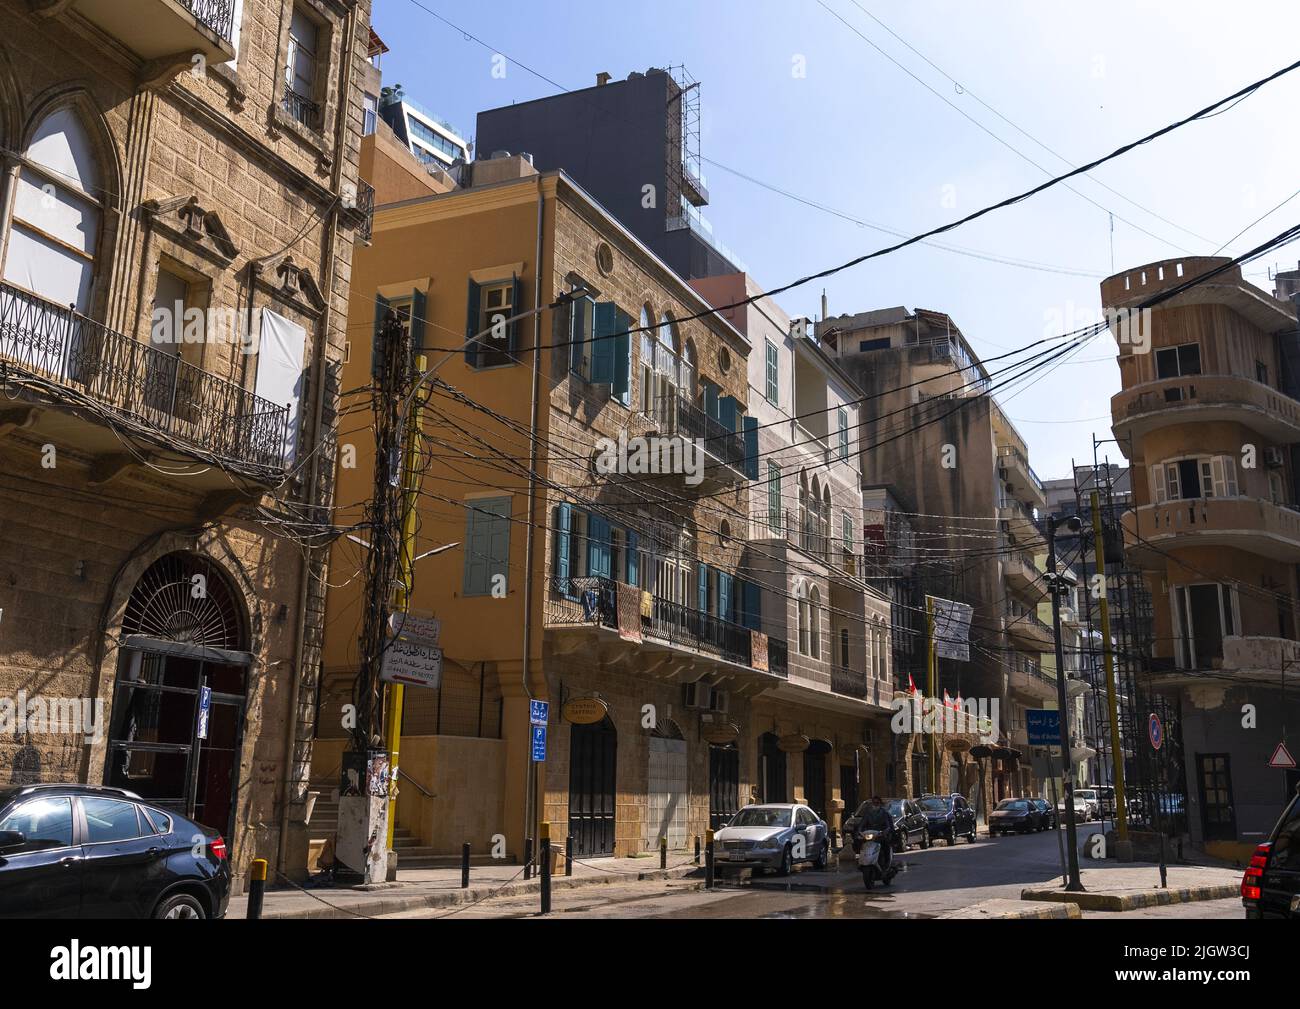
{"x": 858, "y": 134}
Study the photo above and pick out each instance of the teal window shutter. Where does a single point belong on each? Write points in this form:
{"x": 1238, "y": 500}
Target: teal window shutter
{"x": 702, "y": 587}
{"x": 580, "y": 322}
{"x": 710, "y": 399}
{"x": 753, "y": 607}
{"x": 419, "y": 309}
{"x": 512, "y": 328}
{"x": 473, "y": 316}
{"x": 844, "y": 433}
{"x": 633, "y": 558}
{"x": 563, "y": 527}
{"x": 377, "y": 348}
{"x": 728, "y": 412}
{"x": 724, "y": 595}
{"x": 598, "y": 546}
{"x": 773, "y": 388}
{"x": 751, "y": 454}
{"x": 622, "y": 358}
{"x": 602, "y": 347}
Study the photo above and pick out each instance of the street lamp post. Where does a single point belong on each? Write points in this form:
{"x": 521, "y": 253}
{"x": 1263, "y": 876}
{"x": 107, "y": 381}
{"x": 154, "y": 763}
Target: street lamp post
{"x": 1055, "y": 584}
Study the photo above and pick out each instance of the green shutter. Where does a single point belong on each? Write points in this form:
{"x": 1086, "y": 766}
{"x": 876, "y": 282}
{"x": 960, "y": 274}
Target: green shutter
{"x": 774, "y": 496}
{"x": 633, "y": 558}
{"x": 702, "y": 587}
{"x": 563, "y": 525}
{"x": 751, "y": 447}
{"x": 419, "y": 309}
{"x": 602, "y": 347}
{"x": 472, "y": 313}
{"x": 512, "y": 329}
{"x": 728, "y": 412}
{"x": 623, "y": 358}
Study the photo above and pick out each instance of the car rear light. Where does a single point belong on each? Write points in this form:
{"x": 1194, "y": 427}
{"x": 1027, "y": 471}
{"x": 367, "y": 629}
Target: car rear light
{"x": 219, "y": 848}
{"x": 1255, "y": 872}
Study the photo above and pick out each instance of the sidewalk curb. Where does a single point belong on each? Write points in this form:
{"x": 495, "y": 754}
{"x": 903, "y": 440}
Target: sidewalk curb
{"x": 1006, "y": 909}
{"x": 1103, "y": 901}
{"x": 443, "y": 898}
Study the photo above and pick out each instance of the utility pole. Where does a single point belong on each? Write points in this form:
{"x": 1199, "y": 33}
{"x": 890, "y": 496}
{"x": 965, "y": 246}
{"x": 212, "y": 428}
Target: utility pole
{"x": 1123, "y": 848}
{"x": 367, "y": 770}
{"x": 931, "y": 687}
{"x": 1075, "y": 885}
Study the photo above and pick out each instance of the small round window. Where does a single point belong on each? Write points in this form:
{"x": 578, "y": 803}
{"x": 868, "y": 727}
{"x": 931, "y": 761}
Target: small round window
{"x": 724, "y": 360}
{"x": 724, "y": 532}
{"x": 604, "y": 259}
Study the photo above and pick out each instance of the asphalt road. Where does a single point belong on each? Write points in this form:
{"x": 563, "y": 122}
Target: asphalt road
{"x": 931, "y": 882}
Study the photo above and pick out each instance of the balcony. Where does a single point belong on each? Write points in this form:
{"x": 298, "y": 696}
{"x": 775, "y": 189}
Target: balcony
{"x": 1250, "y": 524}
{"x": 1022, "y": 575}
{"x": 301, "y": 109}
{"x": 167, "y": 30}
{"x": 1194, "y": 399}
{"x": 1020, "y": 476}
{"x": 1020, "y": 521}
{"x": 1027, "y": 679}
{"x": 850, "y": 682}
{"x": 1028, "y": 633}
{"x": 111, "y": 382}
{"x": 669, "y": 626}
{"x": 808, "y": 539}
{"x": 366, "y": 211}
{"x": 724, "y": 450}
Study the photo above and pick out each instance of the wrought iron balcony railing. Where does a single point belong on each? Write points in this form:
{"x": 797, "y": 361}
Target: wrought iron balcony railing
{"x": 689, "y": 421}
{"x": 218, "y": 15}
{"x": 849, "y": 682}
{"x": 594, "y": 600}
{"x": 301, "y": 109}
{"x": 171, "y": 399}
{"x": 366, "y": 208}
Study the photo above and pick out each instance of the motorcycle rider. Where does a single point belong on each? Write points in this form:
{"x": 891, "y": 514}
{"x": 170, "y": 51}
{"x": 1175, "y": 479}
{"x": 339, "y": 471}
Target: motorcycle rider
{"x": 879, "y": 819}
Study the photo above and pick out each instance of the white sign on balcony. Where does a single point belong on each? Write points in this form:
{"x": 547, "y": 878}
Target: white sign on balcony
{"x": 951, "y": 628}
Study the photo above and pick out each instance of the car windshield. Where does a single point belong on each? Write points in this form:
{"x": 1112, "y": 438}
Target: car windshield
{"x": 1085, "y": 793}
{"x": 761, "y": 816}
{"x": 934, "y": 805}
{"x": 1019, "y": 804}
{"x": 895, "y": 807}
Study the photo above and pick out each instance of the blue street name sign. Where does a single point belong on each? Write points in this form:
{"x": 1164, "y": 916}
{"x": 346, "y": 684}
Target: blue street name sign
{"x": 539, "y": 712}
{"x": 1043, "y": 726}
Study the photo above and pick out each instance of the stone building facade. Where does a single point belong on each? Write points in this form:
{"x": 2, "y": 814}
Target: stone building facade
{"x": 185, "y": 177}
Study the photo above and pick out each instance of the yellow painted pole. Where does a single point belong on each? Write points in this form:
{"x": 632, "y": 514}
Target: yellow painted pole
{"x": 931, "y": 688}
{"x": 1116, "y": 750}
{"x": 402, "y": 600}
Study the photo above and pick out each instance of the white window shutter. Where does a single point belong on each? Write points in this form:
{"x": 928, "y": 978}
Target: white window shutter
{"x": 1158, "y": 483}
{"x": 1229, "y": 476}
{"x": 1214, "y": 487}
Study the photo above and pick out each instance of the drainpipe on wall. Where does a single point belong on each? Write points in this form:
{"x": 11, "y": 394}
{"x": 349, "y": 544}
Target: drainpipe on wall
{"x": 530, "y": 803}
{"x": 321, "y": 365}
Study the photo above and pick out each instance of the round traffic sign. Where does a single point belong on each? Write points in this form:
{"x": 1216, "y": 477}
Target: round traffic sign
{"x": 1155, "y": 730}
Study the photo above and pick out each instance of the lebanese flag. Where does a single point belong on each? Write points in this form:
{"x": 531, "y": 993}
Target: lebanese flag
{"x": 947, "y": 701}
{"x": 911, "y": 686}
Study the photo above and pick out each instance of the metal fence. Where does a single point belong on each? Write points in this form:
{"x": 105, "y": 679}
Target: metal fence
{"x": 218, "y": 15}
{"x": 134, "y": 380}
{"x": 466, "y": 703}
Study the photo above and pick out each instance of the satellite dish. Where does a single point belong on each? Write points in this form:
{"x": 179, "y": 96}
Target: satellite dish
{"x": 1076, "y": 687}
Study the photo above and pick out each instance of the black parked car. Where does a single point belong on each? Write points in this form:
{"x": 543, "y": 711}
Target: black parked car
{"x": 1046, "y": 814}
{"x": 1271, "y": 886}
{"x": 83, "y": 851}
{"x": 1014, "y": 816}
{"x": 949, "y": 817}
{"x": 910, "y": 824}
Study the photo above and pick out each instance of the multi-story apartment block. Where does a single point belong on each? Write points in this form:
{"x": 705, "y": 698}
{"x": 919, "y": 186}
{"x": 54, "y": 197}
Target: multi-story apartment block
{"x": 1209, "y": 417}
{"x": 177, "y": 220}
{"x": 435, "y": 142}
{"x": 805, "y": 550}
{"x": 937, "y": 435}
{"x": 635, "y": 146}
{"x": 619, "y": 596}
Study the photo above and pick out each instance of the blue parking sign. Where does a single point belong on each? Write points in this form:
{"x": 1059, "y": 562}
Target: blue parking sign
{"x": 539, "y": 743}
{"x": 205, "y": 709}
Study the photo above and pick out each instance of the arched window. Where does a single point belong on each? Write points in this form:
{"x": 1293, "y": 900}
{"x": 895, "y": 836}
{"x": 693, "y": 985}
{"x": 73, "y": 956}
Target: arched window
{"x": 801, "y": 602}
{"x": 666, "y": 335}
{"x": 815, "y": 619}
{"x": 803, "y": 509}
{"x": 689, "y": 369}
{"x": 57, "y": 214}
{"x": 824, "y": 530}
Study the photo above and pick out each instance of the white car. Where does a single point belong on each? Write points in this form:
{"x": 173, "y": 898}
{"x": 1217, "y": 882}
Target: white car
{"x": 773, "y": 836}
{"x": 1082, "y": 813}
{"x": 1092, "y": 800}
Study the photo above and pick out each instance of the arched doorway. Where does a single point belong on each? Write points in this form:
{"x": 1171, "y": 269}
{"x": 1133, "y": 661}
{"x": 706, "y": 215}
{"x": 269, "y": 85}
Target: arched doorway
{"x": 814, "y": 776}
{"x": 179, "y": 695}
{"x": 668, "y": 787}
{"x": 771, "y": 769}
{"x": 593, "y": 750}
{"x": 724, "y": 784}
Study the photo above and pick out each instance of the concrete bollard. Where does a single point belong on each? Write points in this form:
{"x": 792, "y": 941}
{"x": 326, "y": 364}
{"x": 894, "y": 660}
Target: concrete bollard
{"x": 256, "y": 888}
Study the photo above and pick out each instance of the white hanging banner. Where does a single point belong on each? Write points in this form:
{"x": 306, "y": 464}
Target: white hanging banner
{"x": 951, "y": 628}
{"x": 280, "y": 374}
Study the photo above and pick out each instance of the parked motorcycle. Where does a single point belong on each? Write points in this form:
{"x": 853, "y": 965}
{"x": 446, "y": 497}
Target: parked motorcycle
{"x": 874, "y": 858}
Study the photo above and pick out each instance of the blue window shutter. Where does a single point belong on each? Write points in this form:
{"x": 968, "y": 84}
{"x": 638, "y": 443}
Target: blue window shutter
{"x": 727, "y": 412}
{"x": 419, "y": 309}
{"x": 724, "y": 595}
{"x": 702, "y": 587}
{"x": 602, "y": 347}
{"x": 472, "y": 315}
{"x": 377, "y": 347}
{"x": 622, "y": 358}
{"x": 512, "y": 329}
{"x": 751, "y": 450}
{"x": 711, "y": 399}
{"x": 753, "y": 607}
{"x": 633, "y": 558}
{"x": 598, "y": 546}
{"x": 563, "y": 525}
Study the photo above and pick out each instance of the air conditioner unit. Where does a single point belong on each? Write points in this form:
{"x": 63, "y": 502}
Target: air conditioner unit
{"x": 1273, "y": 457}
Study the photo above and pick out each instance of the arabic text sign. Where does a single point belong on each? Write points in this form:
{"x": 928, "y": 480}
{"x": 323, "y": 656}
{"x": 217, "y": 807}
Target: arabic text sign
{"x": 412, "y": 663}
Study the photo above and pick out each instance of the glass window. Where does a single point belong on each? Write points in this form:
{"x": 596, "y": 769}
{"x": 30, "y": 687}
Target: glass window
{"x": 370, "y": 114}
{"x": 1173, "y": 362}
{"x": 45, "y": 823}
{"x": 300, "y": 62}
{"x": 496, "y": 309}
{"x": 110, "y": 820}
{"x": 160, "y": 821}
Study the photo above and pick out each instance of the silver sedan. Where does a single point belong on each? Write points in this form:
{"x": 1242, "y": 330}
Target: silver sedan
{"x": 772, "y": 836}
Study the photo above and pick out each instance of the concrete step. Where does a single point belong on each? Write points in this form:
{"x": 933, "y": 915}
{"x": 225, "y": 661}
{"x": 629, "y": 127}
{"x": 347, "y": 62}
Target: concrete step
{"x": 428, "y": 860}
